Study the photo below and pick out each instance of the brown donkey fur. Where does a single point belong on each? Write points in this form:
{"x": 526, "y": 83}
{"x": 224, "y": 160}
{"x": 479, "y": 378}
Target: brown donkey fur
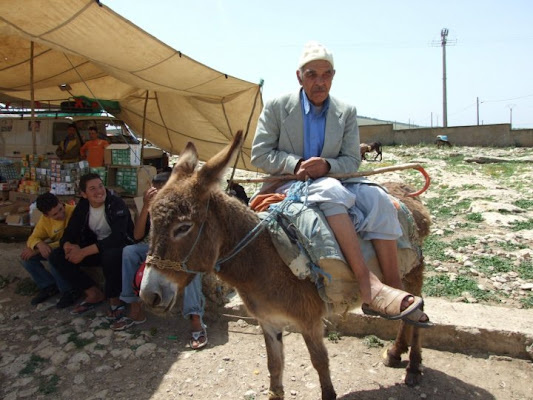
{"x": 195, "y": 224}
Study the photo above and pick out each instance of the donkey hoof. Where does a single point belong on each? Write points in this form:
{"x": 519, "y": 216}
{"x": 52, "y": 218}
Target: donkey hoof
{"x": 413, "y": 378}
{"x": 276, "y": 395}
{"x": 390, "y": 360}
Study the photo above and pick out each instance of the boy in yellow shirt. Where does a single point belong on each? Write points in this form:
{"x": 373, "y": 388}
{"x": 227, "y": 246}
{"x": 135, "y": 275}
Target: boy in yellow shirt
{"x": 44, "y": 238}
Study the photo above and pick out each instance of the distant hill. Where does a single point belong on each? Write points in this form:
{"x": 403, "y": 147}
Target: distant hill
{"x": 362, "y": 120}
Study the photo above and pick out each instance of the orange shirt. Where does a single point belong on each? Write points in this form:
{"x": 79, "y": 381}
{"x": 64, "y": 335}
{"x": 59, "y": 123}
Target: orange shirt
{"x": 93, "y": 150}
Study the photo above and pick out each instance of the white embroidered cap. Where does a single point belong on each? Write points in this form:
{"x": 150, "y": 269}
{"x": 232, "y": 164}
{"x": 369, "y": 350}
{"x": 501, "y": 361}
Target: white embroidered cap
{"x": 315, "y": 51}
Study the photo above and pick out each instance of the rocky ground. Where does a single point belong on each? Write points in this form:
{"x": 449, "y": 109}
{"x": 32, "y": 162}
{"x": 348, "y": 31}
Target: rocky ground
{"x": 49, "y": 354}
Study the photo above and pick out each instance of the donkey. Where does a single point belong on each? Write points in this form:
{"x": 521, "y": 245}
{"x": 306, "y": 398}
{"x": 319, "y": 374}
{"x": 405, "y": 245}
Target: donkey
{"x": 194, "y": 230}
{"x": 370, "y": 147}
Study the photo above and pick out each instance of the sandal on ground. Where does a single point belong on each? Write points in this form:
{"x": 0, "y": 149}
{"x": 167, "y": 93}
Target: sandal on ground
{"x": 85, "y": 306}
{"x": 125, "y": 323}
{"x": 114, "y": 313}
{"x": 388, "y": 303}
{"x": 198, "y": 339}
{"x": 414, "y": 319}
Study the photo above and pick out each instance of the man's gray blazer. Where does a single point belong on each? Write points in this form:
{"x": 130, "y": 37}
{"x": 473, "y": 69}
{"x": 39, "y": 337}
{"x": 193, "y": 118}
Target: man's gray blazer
{"x": 278, "y": 143}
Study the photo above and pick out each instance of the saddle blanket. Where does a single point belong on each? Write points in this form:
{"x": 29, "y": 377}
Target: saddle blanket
{"x": 305, "y": 242}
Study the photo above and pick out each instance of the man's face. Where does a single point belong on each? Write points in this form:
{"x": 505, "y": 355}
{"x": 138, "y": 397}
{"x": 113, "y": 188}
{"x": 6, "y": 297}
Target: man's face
{"x": 57, "y": 213}
{"x": 71, "y": 132}
{"x": 93, "y": 134}
{"x": 95, "y": 192}
{"x": 316, "y": 78}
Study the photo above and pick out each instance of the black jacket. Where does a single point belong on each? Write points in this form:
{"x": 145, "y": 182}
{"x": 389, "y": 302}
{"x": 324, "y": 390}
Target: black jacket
{"x": 118, "y": 217}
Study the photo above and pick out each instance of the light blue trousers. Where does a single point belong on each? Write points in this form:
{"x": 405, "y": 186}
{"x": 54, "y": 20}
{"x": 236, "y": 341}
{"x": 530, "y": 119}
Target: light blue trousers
{"x": 133, "y": 256}
{"x": 42, "y": 277}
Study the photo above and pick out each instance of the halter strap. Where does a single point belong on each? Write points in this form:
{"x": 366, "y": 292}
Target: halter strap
{"x": 160, "y": 263}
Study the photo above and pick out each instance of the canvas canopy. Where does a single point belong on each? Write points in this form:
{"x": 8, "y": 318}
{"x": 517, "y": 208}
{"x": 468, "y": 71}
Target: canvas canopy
{"x": 91, "y": 51}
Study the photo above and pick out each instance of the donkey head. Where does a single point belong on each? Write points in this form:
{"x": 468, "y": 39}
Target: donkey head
{"x": 184, "y": 238}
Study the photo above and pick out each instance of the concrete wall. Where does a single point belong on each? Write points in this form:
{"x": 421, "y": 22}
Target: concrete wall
{"x": 500, "y": 135}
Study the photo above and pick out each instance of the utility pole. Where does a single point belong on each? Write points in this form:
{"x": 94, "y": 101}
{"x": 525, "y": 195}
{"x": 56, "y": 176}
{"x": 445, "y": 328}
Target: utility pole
{"x": 511, "y": 114}
{"x": 477, "y": 102}
{"x": 443, "y": 43}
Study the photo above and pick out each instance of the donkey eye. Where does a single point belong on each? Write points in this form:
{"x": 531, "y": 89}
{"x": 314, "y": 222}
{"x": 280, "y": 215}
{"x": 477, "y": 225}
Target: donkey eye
{"x": 181, "y": 230}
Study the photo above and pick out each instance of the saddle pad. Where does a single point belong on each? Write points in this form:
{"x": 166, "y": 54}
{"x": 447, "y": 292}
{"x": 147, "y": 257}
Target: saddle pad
{"x": 335, "y": 280}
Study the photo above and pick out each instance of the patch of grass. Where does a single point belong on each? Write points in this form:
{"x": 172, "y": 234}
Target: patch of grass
{"x": 434, "y": 248}
{"x": 462, "y": 242}
{"x": 493, "y": 264}
{"x": 443, "y": 286}
{"x": 499, "y": 170}
{"x": 48, "y": 385}
{"x": 525, "y": 270}
{"x": 475, "y": 217}
{"x": 463, "y": 204}
{"x": 455, "y": 160}
{"x": 508, "y": 246}
{"x": 26, "y": 287}
{"x": 527, "y": 302}
{"x": 473, "y": 186}
{"x": 372, "y": 341}
{"x": 153, "y": 331}
{"x": 522, "y": 225}
{"x": 523, "y": 203}
{"x": 334, "y": 336}
{"x": 78, "y": 342}
{"x": 33, "y": 363}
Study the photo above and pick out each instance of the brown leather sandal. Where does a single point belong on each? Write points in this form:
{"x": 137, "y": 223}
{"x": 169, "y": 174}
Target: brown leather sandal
{"x": 388, "y": 303}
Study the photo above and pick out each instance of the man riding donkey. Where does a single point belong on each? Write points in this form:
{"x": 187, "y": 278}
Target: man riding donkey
{"x": 311, "y": 134}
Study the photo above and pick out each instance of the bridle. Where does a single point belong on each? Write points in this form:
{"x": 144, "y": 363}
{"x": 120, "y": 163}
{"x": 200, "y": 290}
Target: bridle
{"x": 160, "y": 263}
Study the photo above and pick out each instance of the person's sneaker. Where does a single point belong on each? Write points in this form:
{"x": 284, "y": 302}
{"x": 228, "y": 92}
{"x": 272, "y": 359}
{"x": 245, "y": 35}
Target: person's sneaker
{"x": 44, "y": 294}
{"x": 67, "y": 299}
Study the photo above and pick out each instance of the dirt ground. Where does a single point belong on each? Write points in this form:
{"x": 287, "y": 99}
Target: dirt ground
{"x": 47, "y": 353}
{"x": 153, "y": 361}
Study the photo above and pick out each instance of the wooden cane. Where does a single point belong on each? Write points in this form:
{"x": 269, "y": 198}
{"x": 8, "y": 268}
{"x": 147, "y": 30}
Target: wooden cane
{"x": 418, "y": 167}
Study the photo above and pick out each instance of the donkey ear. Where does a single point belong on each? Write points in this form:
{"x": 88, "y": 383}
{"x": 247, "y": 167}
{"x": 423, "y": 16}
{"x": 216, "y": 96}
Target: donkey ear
{"x": 213, "y": 170}
{"x": 187, "y": 161}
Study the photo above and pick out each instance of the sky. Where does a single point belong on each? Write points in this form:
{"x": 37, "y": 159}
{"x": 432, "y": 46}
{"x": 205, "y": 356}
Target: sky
{"x": 387, "y": 53}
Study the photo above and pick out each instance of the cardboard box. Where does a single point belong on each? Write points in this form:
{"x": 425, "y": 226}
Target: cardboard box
{"x": 19, "y": 197}
{"x": 17, "y": 219}
{"x": 9, "y": 208}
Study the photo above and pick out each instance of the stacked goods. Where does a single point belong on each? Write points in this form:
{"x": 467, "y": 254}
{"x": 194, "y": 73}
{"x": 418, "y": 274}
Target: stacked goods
{"x": 123, "y": 154}
{"x": 102, "y": 173}
{"x": 65, "y": 177}
{"x": 9, "y": 178}
{"x": 8, "y": 171}
{"x": 127, "y": 180}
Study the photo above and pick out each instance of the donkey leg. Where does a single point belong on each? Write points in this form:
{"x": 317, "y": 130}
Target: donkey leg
{"x": 393, "y": 355}
{"x": 414, "y": 372}
{"x": 275, "y": 360}
{"x": 319, "y": 358}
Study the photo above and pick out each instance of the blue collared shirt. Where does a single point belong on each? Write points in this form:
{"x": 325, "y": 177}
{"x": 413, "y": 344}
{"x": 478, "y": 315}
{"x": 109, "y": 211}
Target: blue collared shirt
{"x": 314, "y": 126}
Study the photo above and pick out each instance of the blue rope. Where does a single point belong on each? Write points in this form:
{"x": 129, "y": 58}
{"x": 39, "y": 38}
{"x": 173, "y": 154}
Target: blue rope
{"x": 295, "y": 193}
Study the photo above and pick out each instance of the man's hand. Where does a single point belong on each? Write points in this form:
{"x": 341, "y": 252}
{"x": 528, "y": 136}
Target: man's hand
{"x": 314, "y": 168}
{"x": 44, "y": 249}
{"x": 149, "y": 196}
{"x": 28, "y": 253}
{"x": 68, "y": 247}
{"x": 75, "y": 255}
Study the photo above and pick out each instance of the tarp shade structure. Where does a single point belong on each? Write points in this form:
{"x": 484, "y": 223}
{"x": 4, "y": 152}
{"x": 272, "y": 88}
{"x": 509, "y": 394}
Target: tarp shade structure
{"x": 99, "y": 54}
